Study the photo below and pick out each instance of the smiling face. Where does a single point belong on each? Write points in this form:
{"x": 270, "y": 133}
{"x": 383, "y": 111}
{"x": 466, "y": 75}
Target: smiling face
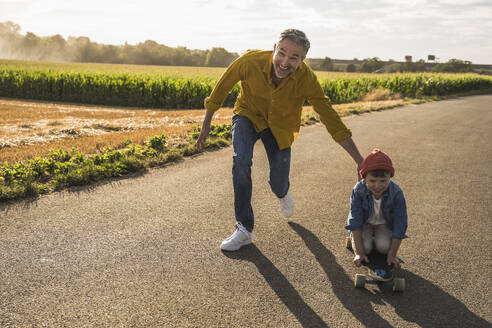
{"x": 377, "y": 184}
{"x": 287, "y": 56}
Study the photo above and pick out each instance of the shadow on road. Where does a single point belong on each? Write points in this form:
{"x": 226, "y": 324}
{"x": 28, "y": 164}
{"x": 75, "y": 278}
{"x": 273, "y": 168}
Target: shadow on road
{"x": 280, "y": 285}
{"x": 423, "y": 303}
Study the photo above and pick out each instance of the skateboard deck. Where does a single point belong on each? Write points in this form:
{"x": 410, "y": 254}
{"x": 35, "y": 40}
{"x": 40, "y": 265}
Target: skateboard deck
{"x": 378, "y": 272}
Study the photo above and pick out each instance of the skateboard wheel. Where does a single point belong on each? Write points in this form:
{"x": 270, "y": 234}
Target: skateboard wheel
{"x": 399, "y": 285}
{"x": 360, "y": 280}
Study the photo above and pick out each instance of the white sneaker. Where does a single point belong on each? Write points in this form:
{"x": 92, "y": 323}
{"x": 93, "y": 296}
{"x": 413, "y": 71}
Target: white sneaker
{"x": 287, "y": 205}
{"x": 238, "y": 239}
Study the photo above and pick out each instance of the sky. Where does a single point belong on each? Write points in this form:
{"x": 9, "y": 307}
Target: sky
{"x": 342, "y": 29}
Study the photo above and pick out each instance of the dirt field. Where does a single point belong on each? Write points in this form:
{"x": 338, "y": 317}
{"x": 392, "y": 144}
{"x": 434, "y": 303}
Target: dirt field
{"x": 32, "y": 128}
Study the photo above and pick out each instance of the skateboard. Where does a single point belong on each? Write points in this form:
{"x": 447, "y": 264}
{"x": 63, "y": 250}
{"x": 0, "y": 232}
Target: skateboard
{"x": 378, "y": 272}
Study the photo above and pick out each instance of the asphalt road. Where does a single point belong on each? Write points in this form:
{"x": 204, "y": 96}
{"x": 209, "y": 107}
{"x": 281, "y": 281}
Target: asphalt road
{"x": 144, "y": 251}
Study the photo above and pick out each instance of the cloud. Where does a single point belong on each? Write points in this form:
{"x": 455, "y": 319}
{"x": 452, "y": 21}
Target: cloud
{"x": 392, "y": 29}
{"x": 338, "y": 29}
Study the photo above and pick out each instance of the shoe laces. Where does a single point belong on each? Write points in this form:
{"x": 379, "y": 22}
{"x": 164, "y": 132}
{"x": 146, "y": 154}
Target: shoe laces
{"x": 240, "y": 227}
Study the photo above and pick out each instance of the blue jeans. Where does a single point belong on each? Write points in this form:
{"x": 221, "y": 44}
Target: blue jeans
{"x": 244, "y": 138}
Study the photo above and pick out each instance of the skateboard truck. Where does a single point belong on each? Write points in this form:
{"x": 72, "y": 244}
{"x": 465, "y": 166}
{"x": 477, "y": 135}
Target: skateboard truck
{"x": 398, "y": 284}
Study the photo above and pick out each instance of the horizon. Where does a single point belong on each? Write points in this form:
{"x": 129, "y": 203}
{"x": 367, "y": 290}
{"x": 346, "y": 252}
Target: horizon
{"x": 447, "y": 29}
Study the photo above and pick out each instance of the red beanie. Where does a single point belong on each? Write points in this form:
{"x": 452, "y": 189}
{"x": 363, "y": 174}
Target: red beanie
{"x": 377, "y": 160}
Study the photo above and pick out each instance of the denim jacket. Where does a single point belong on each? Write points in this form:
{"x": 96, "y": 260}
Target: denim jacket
{"x": 393, "y": 207}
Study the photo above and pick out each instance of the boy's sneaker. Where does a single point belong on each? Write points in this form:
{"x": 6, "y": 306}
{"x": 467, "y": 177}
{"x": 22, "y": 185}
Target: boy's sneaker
{"x": 238, "y": 239}
{"x": 287, "y": 205}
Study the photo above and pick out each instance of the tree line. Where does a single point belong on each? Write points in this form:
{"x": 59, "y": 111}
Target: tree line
{"x": 375, "y": 65}
{"x": 14, "y": 45}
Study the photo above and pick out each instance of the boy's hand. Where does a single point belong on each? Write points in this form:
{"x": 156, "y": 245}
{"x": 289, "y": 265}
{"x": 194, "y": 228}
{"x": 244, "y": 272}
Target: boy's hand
{"x": 393, "y": 260}
{"x": 359, "y": 258}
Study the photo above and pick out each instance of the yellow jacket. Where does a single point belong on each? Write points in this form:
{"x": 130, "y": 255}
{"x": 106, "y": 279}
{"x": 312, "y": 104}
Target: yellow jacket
{"x": 278, "y": 108}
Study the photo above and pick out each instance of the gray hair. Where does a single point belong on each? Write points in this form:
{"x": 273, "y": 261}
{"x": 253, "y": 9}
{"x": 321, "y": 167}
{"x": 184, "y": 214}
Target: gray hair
{"x": 296, "y": 36}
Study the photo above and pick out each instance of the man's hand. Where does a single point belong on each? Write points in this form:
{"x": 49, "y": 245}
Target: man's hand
{"x": 359, "y": 258}
{"x": 200, "y": 143}
{"x": 359, "y": 167}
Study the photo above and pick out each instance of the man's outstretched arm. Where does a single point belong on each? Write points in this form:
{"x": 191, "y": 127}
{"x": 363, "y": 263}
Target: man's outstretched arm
{"x": 350, "y": 147}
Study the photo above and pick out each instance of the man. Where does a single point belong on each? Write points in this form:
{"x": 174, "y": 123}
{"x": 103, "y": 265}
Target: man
{"x": 274, "y": 86}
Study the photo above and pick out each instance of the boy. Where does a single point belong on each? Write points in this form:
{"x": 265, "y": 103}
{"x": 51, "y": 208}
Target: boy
{"x": 378, "y": 213}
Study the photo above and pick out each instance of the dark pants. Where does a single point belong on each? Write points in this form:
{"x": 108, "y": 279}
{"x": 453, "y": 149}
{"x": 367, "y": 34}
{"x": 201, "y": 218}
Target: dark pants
{"x": 244, "y": 138}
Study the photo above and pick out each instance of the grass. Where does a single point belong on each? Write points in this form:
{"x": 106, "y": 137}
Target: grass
{"x": 32, "y": 128}
{"x": 62, "y": 168}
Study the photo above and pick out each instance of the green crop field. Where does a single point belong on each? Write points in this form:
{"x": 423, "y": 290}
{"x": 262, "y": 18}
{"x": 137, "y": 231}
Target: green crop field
{"x": 178, "y": 71}
{"x": 186, "y": 87}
